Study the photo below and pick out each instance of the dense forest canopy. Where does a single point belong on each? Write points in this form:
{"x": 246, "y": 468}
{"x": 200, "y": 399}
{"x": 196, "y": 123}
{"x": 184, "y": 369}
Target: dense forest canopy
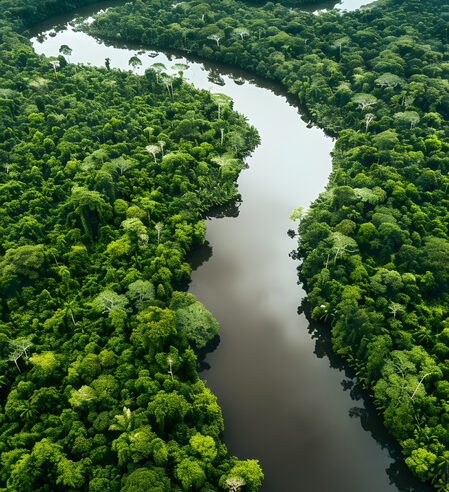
{"x": 375, "y": 244}
{"x": 105, "y": 178}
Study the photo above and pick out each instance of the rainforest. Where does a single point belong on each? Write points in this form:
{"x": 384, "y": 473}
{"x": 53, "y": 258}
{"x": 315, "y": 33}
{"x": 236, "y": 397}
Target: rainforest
{"x": 109, "y": 180}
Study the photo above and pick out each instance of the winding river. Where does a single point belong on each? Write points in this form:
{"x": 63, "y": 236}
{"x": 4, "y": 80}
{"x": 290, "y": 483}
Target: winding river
{"x": 286, "y": 399}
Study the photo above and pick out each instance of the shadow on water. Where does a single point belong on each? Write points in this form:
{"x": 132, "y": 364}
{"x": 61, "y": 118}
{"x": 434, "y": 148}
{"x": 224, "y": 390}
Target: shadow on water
{"x": 398, "y": 473}
{"x": 201, "y": 254}
{"x": 229, "y": 209}
{"x": 198, "y": 256}
{"x": 204, "y": 352}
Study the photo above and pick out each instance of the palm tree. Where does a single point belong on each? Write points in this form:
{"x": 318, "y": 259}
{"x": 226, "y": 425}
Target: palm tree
{"x": 124, "y": 422}
{"x": 29, "y": 411}
{"x": 424, "y": 336}
{"x": 442, "y": 479}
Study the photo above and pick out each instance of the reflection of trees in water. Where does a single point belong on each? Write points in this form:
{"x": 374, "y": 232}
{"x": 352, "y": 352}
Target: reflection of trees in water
{"x": 202, "y": 353}
{"x": 215, "y": 77}
{"x": 200, "y": 254}
{"x": 398, "y": 473}
{"x": 229, "y": 209}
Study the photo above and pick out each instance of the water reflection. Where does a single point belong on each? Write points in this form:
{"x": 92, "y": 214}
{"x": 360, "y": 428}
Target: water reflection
{"x": 229, "y": 209}
{"x": 365, "y": 412}
{"x": 204, "y": 352}
{"x": 199, "y": 255}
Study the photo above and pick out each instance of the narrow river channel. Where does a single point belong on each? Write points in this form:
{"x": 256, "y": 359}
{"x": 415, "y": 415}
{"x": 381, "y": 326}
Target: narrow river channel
{"x": 285, "y": 402}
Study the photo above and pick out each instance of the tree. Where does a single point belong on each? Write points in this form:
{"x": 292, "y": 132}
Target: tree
{"x": 419, "y": 384}
{"x": 159, "y": 228}
{"x": 55, "y": 64}
{"x": 167, "y": 81}
{"x": 221, "y": 100}
{"x": 84, "y": 394}
{"x": 190, "y": 474}
{"x": 46, "y": 362}
{"x": 297, "y": 214}
{"x": 123, "y": 164}
{"x": 369, "y": 117}
{"x": 14, "y": 355}
{"x": 396, "y": 308}
{"x": 234, "y": 483}
{"x": 108, "y": 301}
{"x": 152, "y": 149}
{"x": 237, "y": 141}
{"x": 249, "y": 471}
{"x": 364, "y": 100}
{"x": 83, "y": 201}
{"x": 241, "y": 33}
{"x": 158, "y": 68}
{"x": 180, "y": 68}
{"x": 342, "y": 244}
{"x": 24, "y": 260}
{"x": 145, "y": 479}
{"x": 389, "y": 80}
{"x": 170, "y": 371}
{"x": 140, "y": 291}
{"x": 148, "y": 131}
{"x": 386, "y": 140}
{"x": 123, "y": 422}
{"x": 70, "y": 474}
{"x": 204, "y": 446}
{"x": 338, "y": 43}
{"x": 135, "y": 62}
{"x": 136, "y": 229}
{"x": 421, "y": 463}
{"x": 216, "y": 38}
{"x": 409, "y": 118}
{"x": 168, "y": 409}
{"x": 66, "y": 51}
{"x": 227, "y": 159}
{"x": 197, "y": 324}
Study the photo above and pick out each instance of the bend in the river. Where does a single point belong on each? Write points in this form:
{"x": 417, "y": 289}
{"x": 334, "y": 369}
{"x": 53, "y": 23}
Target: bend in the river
{"x": 285, "y": 399}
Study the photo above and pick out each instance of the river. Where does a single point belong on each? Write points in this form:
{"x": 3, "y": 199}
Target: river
{"x": 286, "y": 399}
